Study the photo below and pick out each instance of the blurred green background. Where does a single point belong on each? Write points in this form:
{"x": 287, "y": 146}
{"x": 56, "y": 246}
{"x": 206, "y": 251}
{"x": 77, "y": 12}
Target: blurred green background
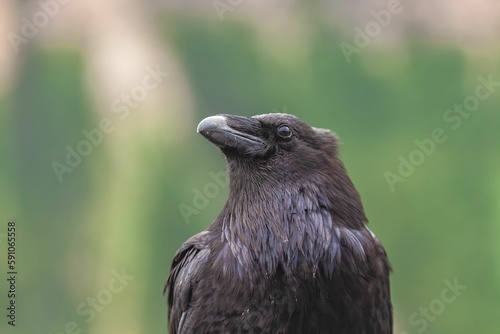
{"x": 120, "y": 209}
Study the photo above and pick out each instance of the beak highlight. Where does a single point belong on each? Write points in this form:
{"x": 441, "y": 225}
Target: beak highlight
{"x": 212, "y": 123}
{"x": 217, "y": 129}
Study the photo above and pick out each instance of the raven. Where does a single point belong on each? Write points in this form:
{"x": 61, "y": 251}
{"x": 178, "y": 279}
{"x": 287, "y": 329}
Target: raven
{"x": 290, "y": 251}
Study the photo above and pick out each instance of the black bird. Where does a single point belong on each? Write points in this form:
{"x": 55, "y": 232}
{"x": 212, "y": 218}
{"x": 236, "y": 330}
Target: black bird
{"x": 290, "y": 252}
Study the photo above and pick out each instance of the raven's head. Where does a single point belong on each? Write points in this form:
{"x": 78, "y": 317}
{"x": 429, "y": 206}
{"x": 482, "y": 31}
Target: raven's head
{"x": 266, "y": 153}
{"x": 278, "y": 143}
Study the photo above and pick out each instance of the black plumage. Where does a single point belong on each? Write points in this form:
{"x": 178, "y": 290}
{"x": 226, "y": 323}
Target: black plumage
{"x": 290, "y": 252}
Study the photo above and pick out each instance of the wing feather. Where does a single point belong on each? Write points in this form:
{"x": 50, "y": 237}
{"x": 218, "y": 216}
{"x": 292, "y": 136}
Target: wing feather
{"x": 187, "y": 262}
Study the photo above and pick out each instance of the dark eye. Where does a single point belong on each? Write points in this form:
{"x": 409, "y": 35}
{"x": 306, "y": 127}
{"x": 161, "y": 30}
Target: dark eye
{"x": 284, "y": 131}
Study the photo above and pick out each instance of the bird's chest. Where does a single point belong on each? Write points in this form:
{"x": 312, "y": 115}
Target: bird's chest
{"x": 276, "y": 304}
{"x": 287, "y": 279}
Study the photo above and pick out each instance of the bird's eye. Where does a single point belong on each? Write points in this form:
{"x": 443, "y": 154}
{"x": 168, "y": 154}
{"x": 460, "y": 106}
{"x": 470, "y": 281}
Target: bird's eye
{"x": 284, "y": 131}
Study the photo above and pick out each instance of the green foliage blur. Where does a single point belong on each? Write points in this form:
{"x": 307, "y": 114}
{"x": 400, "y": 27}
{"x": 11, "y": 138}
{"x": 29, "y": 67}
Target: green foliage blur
{"x": 120, "y": 208}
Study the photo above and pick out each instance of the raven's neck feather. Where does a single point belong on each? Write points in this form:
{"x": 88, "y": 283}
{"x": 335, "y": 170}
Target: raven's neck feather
{"x": 269, "y": 225}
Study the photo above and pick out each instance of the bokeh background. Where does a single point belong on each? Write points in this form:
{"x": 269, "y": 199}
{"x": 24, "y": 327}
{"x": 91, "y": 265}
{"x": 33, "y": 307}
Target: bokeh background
{"x": 123, "y": 206}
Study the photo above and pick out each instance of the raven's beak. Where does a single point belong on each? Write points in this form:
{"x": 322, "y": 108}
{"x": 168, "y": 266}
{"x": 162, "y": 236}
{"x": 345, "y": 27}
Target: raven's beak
{"x": 232, "y": 133}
